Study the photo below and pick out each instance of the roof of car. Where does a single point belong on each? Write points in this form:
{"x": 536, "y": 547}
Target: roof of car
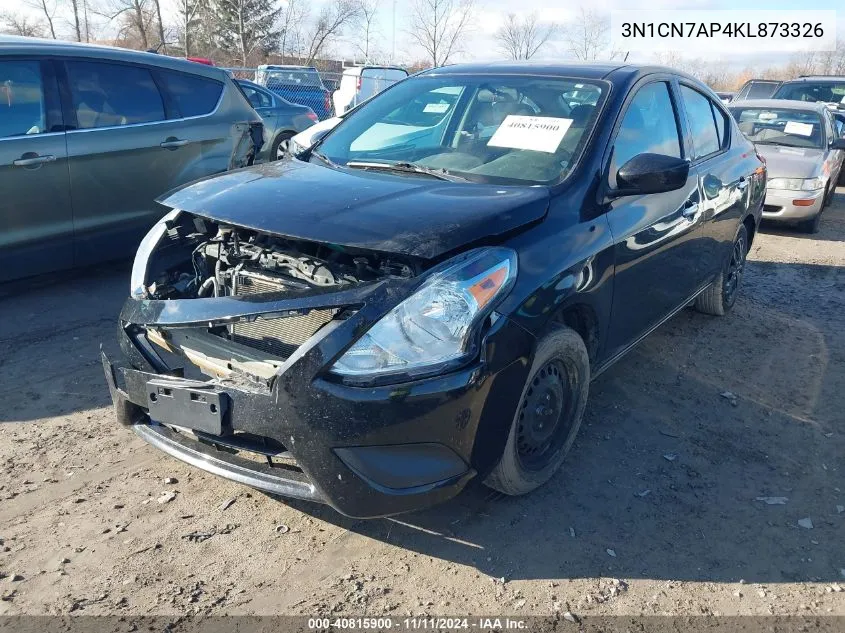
{"x": 783, "y": 104}
{"x": 357, "y": 69}
{"x": 11, "y": 44}
{"x": 285, "y": 67}
{"x": 580, "y": 70}
{"x": 817, "y": 79}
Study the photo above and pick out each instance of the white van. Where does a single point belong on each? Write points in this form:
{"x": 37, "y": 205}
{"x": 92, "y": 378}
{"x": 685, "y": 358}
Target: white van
{"x": 362, "y": 82}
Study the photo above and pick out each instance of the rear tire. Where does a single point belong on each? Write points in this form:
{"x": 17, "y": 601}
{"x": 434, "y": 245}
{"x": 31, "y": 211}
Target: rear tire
{"x": 281, "y": 145}
{"x": 720, "y": 296}
{"x": 548, "y": 415}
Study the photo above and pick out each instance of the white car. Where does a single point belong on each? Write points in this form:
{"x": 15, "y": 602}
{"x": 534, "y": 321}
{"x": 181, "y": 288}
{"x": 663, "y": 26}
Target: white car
{"x": 362, "y": 82}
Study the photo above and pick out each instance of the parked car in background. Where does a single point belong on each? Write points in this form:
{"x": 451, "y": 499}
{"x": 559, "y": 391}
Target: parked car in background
{"x": 726, "y": 97}
{"x": 90, "y": 136}
{"x": 306, "y": 139}
{"x": 803, "y": 153}
{"x": 362, "y": 82}
{"x": 394, "y": 314}
{"x": 297, "y": 84}
{"x": 282, "y": 119}
{"x": 757, "y": 89}
{"x": 829, "y": 90}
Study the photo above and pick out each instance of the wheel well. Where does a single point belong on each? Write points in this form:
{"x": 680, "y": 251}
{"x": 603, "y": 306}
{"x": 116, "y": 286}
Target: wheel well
{"x": 583, "y": 320}
{"x": 751, "y": 227}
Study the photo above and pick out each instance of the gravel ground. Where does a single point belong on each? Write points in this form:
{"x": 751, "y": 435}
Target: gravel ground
{"x": 659, "y": 510}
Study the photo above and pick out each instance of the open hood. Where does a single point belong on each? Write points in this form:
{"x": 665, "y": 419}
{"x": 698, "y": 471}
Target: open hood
{"x": 405, "y": 214}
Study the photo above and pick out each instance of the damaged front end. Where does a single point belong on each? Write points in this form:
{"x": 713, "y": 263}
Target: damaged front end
{"x": 319, "y": 371}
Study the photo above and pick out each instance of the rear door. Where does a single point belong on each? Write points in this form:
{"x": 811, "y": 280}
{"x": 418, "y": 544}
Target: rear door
{"x": 724, "y": 174}
{"x": 657, "y": 237}
{"x": 35, "y": 207}
{"x": 137, "y": 134}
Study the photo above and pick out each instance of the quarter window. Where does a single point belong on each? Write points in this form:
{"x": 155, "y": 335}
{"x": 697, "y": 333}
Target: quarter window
{"x": 649, "y": 127}
{"x": 193, "y": 96}
{"x": 22, "y": 108}
{"x": 107, "y": 95}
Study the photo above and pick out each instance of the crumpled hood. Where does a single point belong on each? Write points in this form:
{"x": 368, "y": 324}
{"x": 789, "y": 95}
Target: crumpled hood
{"x": 404, "y": 214}
{"x": 792, "y": 162}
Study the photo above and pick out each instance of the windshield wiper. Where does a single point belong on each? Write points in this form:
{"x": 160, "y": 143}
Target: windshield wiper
{"x": 328, "y": 161}
{"x": 407, "y": 168}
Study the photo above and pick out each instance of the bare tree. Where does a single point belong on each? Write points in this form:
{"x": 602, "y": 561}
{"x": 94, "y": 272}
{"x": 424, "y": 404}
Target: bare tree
{"x": 293, "y": 19}
{"x": 77, "y": 24}
{"x": 162, "y": 40}
{"x": 21, "y": 24}
{"x": 365, "y": 27}
{"x": 586, "y": 36}
{"x": 438, "y": 26}
{"x": 48, "y": 8}
{"x": 330, "y": 22}
{"x": 523, "y": 38}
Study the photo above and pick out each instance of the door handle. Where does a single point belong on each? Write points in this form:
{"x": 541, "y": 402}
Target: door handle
{"x": 174, "y": 143}
{"x": 690, "y": 209}
{"x": 34, "y": 160}
{"x": 742, "y": 184}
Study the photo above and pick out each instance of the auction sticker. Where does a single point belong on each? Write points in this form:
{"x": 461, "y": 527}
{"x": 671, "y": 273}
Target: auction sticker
{"x": 801, "y": 129}
{"x": 539, "y": 133}
{"x": 436, "y": 108}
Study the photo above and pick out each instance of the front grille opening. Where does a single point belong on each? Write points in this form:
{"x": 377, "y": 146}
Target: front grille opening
{"x": 770, "y": 208}
{"x": 282, "y": 336}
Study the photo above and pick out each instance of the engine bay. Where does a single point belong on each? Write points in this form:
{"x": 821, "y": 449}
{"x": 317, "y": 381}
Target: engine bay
{"x": 201, "y": 258}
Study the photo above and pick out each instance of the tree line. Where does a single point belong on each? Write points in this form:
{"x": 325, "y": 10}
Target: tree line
{"x": 250, "y": 32}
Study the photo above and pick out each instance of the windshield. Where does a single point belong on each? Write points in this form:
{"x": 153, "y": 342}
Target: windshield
{"x": 508, "y": 129}
{"x": 776, "y": 126}
{"x": 826, "y": 92}
{"x": 761, "y": 89}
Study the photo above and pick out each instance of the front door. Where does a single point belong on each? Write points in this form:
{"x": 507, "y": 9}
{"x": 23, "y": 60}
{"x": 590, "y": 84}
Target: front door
{"x": 657, "y": 237}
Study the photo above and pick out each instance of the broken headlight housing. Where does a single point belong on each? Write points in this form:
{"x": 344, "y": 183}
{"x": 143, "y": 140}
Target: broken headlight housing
{"x": 435, "y": 326}
{"x": 138, "y": 280}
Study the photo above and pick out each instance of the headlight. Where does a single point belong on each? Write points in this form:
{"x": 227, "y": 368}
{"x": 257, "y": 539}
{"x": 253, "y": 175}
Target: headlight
{"x": 795, "y": 184}
{"x": 434, "y": 326}
{"x": 138, "y": 280}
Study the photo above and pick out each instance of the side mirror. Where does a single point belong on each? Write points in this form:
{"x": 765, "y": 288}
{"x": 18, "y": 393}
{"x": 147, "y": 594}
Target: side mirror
{"x": 651, "y": 173}
{"x": 837, "y": 143}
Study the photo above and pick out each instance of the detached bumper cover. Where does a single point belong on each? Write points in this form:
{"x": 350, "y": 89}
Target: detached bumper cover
{"x": 366, "y": 451}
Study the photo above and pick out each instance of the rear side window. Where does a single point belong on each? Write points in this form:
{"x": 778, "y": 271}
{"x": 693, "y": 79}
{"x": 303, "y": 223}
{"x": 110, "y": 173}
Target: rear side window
{"x": 705, "y": 136}
{"x": 192, "y": 95}
{"x": 22, "y": 108}
{"x": 109, "y": 95}
{"x": 649, "y": 127}
{"x": 257, "y": 98}
{"x": 722, "y": 125}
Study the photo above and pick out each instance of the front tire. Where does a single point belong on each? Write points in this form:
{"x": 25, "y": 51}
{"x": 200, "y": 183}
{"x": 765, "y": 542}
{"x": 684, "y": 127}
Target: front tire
{"x": 720, "y": 296}
{"x": 548, "y": 416}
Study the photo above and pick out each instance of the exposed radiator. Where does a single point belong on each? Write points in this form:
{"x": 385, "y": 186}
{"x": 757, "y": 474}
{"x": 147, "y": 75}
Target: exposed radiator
{"x": 280, "y": 336}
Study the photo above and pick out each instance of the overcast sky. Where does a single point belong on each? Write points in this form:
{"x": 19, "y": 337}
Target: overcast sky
{"x": 480, "y": 45}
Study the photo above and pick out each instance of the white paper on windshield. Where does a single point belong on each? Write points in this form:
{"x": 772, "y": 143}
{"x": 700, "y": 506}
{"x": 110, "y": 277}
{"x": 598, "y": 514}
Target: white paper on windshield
{"x": 842, "y": 100}
{"x": 436, "y": 108}
{"x": 540, "y": 133}
{"x": 801, "y": 129}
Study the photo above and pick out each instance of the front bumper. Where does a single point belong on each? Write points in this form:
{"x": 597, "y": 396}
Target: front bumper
{"x": 366, "y": 451}
{"x": 780, "y": 205}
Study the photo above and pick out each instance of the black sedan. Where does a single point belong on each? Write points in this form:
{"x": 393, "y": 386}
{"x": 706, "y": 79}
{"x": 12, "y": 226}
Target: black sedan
{"x": 423, "y": 297}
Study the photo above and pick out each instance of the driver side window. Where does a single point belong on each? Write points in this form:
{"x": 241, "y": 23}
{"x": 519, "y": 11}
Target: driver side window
{"x": 649, "y": 127}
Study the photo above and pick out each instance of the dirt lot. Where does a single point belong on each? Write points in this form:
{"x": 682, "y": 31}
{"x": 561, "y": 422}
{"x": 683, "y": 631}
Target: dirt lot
{"x": 656, "y": 512}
